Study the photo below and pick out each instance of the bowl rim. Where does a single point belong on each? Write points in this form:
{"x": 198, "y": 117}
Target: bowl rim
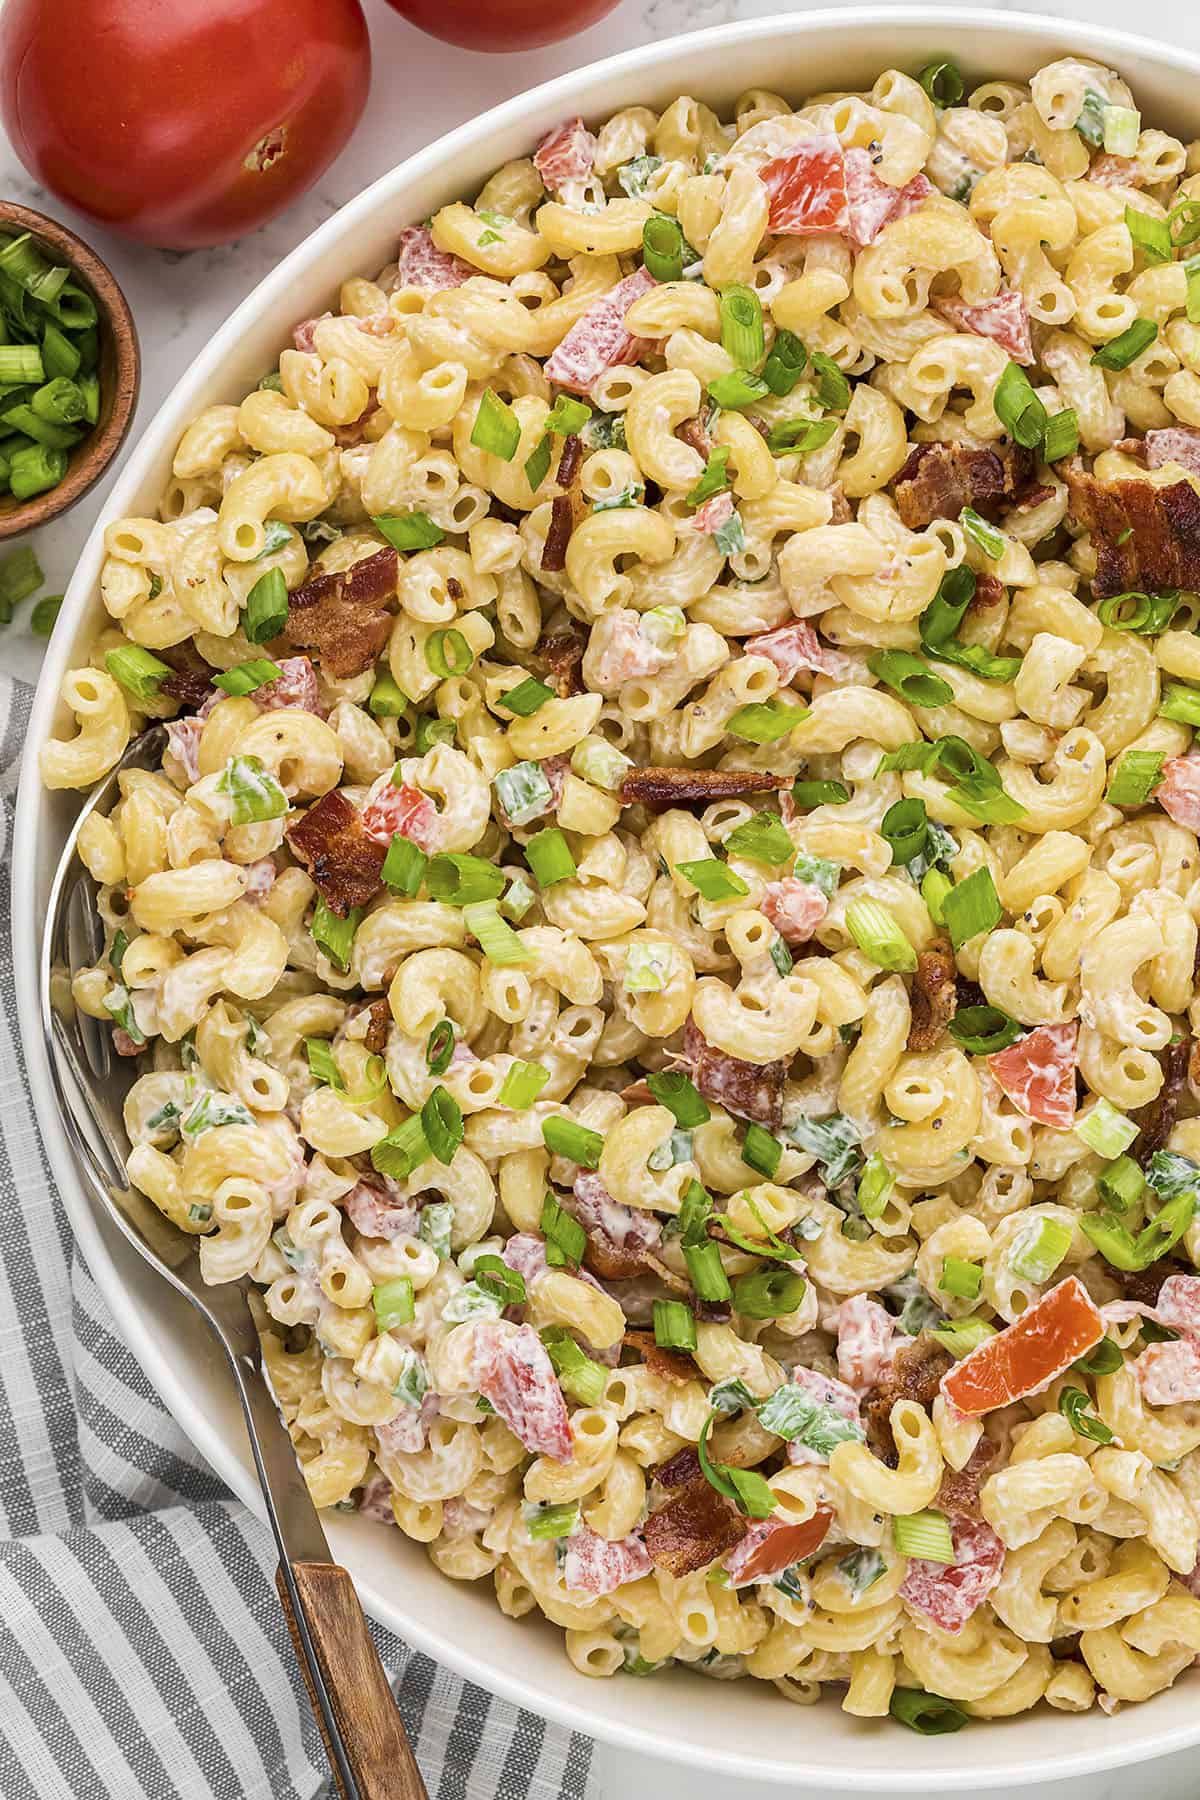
{"x": 569, "y": 90}
{"x": 99, "y": 451}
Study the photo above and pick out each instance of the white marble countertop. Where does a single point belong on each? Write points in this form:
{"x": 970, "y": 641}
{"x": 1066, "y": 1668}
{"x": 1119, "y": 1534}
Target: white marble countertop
{"x": 420, "y": 89}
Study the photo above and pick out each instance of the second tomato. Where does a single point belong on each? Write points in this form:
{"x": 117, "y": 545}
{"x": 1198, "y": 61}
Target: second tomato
{"x": 503, "y": 24}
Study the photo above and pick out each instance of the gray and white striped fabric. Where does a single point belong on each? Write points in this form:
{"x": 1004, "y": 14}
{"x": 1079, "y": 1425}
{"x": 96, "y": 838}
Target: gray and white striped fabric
{"x": 143, "y": 1654}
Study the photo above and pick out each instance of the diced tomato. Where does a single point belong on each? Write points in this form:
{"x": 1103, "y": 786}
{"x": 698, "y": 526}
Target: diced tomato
{"x": 948, "y": 1593}
{"x": 872, "y": 203}
{"x": 565, "y": 154}
{"x": 795, "y": 647}
{"x": 599, "y": 339}
{"x": 420, "y": 264}
{"x": 1178, "y": 793}
{"x": 514, "y": 1372}
{"x": 594, "y": 1565}
{"x": 771, "y": 1545}
{"x": 1026, "y": 1357}
{"x": 1038, "y": 1072}
{"x": 625, "y": 652}
{"x": 807, "y": 186}
{"x": 713, "y": 514}
{"x": 795, "y": 908}
{"x": 295, "y": 686}
{"x": 403, "y": 809}
{"x": 866, "y": 1343}
{"x": 1004, "y": 318}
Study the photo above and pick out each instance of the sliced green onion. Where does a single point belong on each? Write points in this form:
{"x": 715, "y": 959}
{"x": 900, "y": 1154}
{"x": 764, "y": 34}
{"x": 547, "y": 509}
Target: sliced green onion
{"x": 59, "y": 402}
{"x": 436, "y": 1222}
{"x": 1105, "y": 1359}
{"x": 517, "y": 898}
{"x": 393, "y": 1303}
{"x": 1135, "y": 778}
{"x": 20, "y": 576}
{"x": 961, "y": 1278}
{"x": 938, "y": 627}
{"x": 903, "y": 827}
{"x": 972, "y": 906}
{"x": 745, "y": 1487}
{"x": 448, "y": 653}
{"x": 565, "y": 1237}
{"x": 1146, "y": 613}
{"x": 664, "y": 626}
{"x": 910, "y": 677}
{"x": 551, "y": 1521}
{"x": 247, "y": 677}
{"x": 800, "y": 435}
{"x": 497, "y": 939}
{"x": 118, "y": 1003}
{"x": 409, "y": 531}
{"x": 768, "y": 1294}
{"x": 321, "y": 1064}
{"x": 22, "y": 262}
{"x": 333, "y": 935}
{"x": 442, "y": 1123}
{"x": 927, "y": 1714}
{"x": 1180, "y": 703}
{"x": 942, "y": 82}
{"x": 1122, "y": 350}
{"x": 21, "y": 364}
{"x": 785, "y": 365}
{"x": 924, "y": 1534}
{"x": 254, "y": 794}
{"x": 600, "y": 763}
{"x": 712, "y": 879}
{"x": 140, "y": 673}
{"x": 404, "y": 865}
{"x": 20, "y": 417}
{"x": 714, "y": 479}
{"x": 832, "y": 387}
{"x": 522, "y": 1085}
{"x": 119, "y": 946}
{"x": 761, "y": 1151}
{"x": 59, "y": 354}
{"x": 1191, "y": 269}
{"x": 741, "y": 318}
{"x": 526, "y": 697}
{"x": 875, "y": 1187}
{"x": 1018, "y": 408}
{"x": 706, "y": 1272}
{"x": 1151, "y": 236}
{"x": 578, "y": 1375}
{"x": 674, "y": 1325}
{"x": 982, "y": 1030}
{"x": 266, "y": 608}
{"x": 1062, "y": 435}
{"x": 1073, "y": 1403}
{"x": 663, "y": 247}
{"x": 1169, "y": 1173}
{"x": 1039, "y": 1249}
{"x": 460, "y": 880}
{"x": 681, "y": 1098}
{"x": 806, "y": 794}
{"x": 763, "y": 838}
{"x": 765, "y": 721}
{"x": 495, "y": 1277}
{"x": 879, "y": 937}
{"x": 961, "y": 1336}
{"x": 566, "y": 1137}
{"x": 523, "y": 791}
{"x": 387, "y": 700}
{"x": 988, "y": 538}
{"x": 738, "y": 388}
{"x": 1183, "y": 222}
{"x": 401, "y": 1151}
{"x": 1121, "y": 1185}
{"x": 1105, "y": 1130}
{"x": 1122, "y": 127}
{"x": 497, "y": 429}
{"x": 935, "y": 886}
{"x": 537, "y": 465}
{"x": 549, "y": 856}
{"x": 439, "y": 1047}
{"x": 567, "y": 417}
{"x": 648, "y": 967}
{"x": 44, "y": 616}
{"x": 635, "y": 174}
{"x": 818, "y": 871}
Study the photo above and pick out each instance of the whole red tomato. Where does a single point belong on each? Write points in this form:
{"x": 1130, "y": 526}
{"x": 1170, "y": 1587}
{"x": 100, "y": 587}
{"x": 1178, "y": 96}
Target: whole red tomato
{"x": 181, "y": 122}
{"x": 503, "y": 24}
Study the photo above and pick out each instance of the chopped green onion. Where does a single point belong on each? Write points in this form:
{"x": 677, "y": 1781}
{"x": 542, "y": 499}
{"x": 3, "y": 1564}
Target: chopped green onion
{"x": 1151, "y": 236}
{"x": 763, "y": 838}
{"x": 935, "y": 886}
{"x": 1018, "y": 408}
{"x": 879, "y": 937}
{"x": 1136, "y": 776}
{"x": 254, "y": 794}
{"x": 321, "y": 1062}
{"x": 566, "y": 1137}
{"x": 1105, "y": 1359}
{"x": 460, "y": 880}
{"x": 517, "y": 898}
{"x": 741, "y": 318}
{"x": 537, "y": 465}
{"x": 579, "y": 1376}
{"x": 140, "y": 673}
{"x": 497, "y": 939}
{"x": 526, "y": 697}
{"x": 21, "y": 364}
{"x": 635, "y": 174}
{"x": 409, "y": 531}
{"x": 546, "y": 1522}
{"x": 1183, "y": 222}
{"x": 1062, "y": 435}
{"x": 45, "y": 614}
{"x": 800, "y": 435}
{"x": 600, "y": 763}
{"x": 768, "y": 1294}
{"x": 712, "y": 879}
{"x": 119, "y": 946}
{"x": 910, "y": 677}
{"x": 972, "y": 906}
{"x": 1073, "y": 1403}
{"x": 663, "y": 247}
{"x": 22, "y": 261}
{"x": 681, "y": 1098}
{"x": 982, "y": 1030}
{"x": 567, "y": 417}
{"x": 1122, "y": 127}
{"x": 118, "y": 1004}
{"x": 925, "y": 1535}
{"x": 523, "y": 791}
{"x": 714, "y": 479}
{"x": 706, "y": 1271}
{"x": 442, "y": 1123}
{"x": 1121, "y": 1184}
{"x": 565, "y": 1237}
{"x": 674, "y": 1325}
{"x": 903, "y": 827}
{"x": 20, "y": 576}
{"x": 522, "y": 1085}
{"x": 875, "y": 1187}
{"x": 806, "y": 794}
{"x": 961, "y": 1278}
{"x": 942, "y": 82}
{"x": 20, "y": 417}
{"x": 832, "y": 387}
{"x": 448, "y": 653}
{"x": 938, "y": 626}
{"x": 785, "y": 365}
{"x": 818, "y": 871}
{"x": 266, "y": 608}
{"x": 393, "y": 1303}
{"x": 1191, "y": 269}
{"x": 1169, "y": 1173}
{"x": 334, "y": 935}
{"x": 495, "y": 1277}
{"x": 1180, "y": 703}
{"x": 437, "y": 1220}
{"x": 404, "y": 865}
{"x": 1122, "y": 350}
{"x": 497, "y": 429}
{"x": 745, "y": 1487}
{"x": 59, "y": 354}
{"x": 386, "y": 699}
{"x": 738, "y": 388}
{"x": 1039, "y": 1248}
{"x": 761, "y": 1151}
{"x": 247, "y": 677}
{"x": 927, "y": 1714}
{"x": 439, "y": 1047}
{"x": 648, "y": 967}
{"x": 1105, "y": 1130}
{"x": 664, "y": 625}
{"x": 549, "y": 856}
{"x": 1147, "y": 613}
{"x": 765, "y": 721}
{"x": 988, "y": 538}
{"x": 59, "y": 402}
{"x": 961, "y": 1336}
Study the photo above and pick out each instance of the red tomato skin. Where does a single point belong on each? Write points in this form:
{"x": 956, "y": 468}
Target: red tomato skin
{"x": 149, "y": 116}
{"x": 502, "y": 24}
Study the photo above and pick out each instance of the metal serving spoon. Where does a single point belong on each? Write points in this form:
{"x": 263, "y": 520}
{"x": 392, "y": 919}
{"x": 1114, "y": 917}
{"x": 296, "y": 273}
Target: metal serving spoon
{"x": 364, "y": 1736}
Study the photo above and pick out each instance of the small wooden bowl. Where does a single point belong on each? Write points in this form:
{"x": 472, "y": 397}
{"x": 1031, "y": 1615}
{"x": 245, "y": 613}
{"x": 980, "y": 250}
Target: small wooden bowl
{"x": 119, "y": 371}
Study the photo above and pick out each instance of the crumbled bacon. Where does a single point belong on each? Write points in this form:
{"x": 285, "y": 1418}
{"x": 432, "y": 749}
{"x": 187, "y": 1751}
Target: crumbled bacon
{"x": 694, "y": 1527}
{"x": 671, "y": 1365}
{"x": 1005, "y": 319}
{"x": 959, "y": 1492}
{"x": 420, "y": 264}
{"x": 378, "y": 1211}
{"x": 294, "y": 686}
{"x": 1157, "y": 1121}
{"x": 619, "y": 1237}
{"x": 938, "y": 480}
{"x": 599, "y": 340}
{"x": 1145, "y": 538}
{"x": 570, "y": 457}
{"x": 916, "y": 1373}
{"x": 343, "y": 616}
{"x": 664, "y": 787}
{"x": 795, "y": 908}
{"x": 183, "y": 746}
{"x": 793, "y": 647}
{"x": 191, "y": 687}
{"x": 376, "y": 1035}
{"x": 338, "y": 851}
{"x": 123, "y": 1044}
{"x": 302, "y": 333}
{"x": 1172, "y": 443}
{"x": 989, "y": 591}
{"x": 751, "y": 1090}
{"x": 562, "y": 524}
{"x": 562, "y": 653}
{"x": 693, "y": 433}
{"x": 568, "y": 153}
{"x": 933, "y": 994}
{"x": 595, "y": 1565}
{"x": 1112, "y": 171}
{"x": 375, "y": 1501}
{"x": 866, "y": 1344}
{"x": 408, "y": 1433}
{"x": 260, "y": 878}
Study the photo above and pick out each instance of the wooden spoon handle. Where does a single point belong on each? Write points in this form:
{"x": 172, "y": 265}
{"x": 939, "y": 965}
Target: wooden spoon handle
{"x": 374, "y": 1742}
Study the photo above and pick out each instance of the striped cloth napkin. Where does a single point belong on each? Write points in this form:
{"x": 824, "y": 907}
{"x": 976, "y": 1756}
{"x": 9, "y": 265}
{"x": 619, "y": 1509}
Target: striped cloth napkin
{"x": 143, "y": 1653}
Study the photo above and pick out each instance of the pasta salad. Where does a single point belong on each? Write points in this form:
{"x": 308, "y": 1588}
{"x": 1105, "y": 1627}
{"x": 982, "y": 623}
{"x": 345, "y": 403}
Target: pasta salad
{"x": 664, "y": 937}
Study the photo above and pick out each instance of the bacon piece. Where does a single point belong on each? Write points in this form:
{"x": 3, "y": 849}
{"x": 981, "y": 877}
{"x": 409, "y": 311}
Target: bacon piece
{"x": 694, "y": 1527}
{"x": 1178, "y": 793}
{"x": 260, "y": 878}
{"x": 1157, "y": 1120}
{"x": 376, "y": 1036}
{"x": 396, "y": 807}
{"x": 713, "y": 514}
{"x": 795, "y": 908}
{"x": 989, "y": 591}
{"x": 599, "y": 339}
{"x": 948, "y": 1593}
{"x": 871, "y": 203}
{"x": 183, "y": 746}
{"x": 562, "y": 524}
{"x": 693, "y": 433}
{"x": 420, "y": 264}
{"x": 917, "y": 1371}
{"x": 959, "y": 1492}
{"x": 568, "y": 153}
{"x": 1109, "y": 170}
{"x": 191, "y": 687}
{"x": 562, "y": 653}
{"x": 866, "y": 1347}
{"x": 1169, "y": 1372}
{"x": 380, "y": 1212}
{"x": 408, "y": 1433}
{"x": 1026, "y": 1357}
{"x": 807, "y": 187}
{"x": 595, "y": 1565}
{"x": 1162, "y": 1293}
{"x": 338, "y": 851}
{"x": 513, "y": 1371}
{"x": 1145, "y": 538}
{"x": 343, "y": 616}
{"x": 938, "y": 480}
{"x": 795, "y": 647}
{"x": 123, "y": 1044}
{"x": 375, "y": 1501}
{"x": 933, "y": 994}
{"x": 663, "y": 787}
{"x": 1171, "y": 443}
{"x": 672, "y": 1365}
{"x": 302, "y": 334}
{"x": 627, "y": 654}
{"x": 618, "y": 1236}
{"x": 1038, "y": 1074}
{"x": 294, "y": 686}
{"x": 1005, "y": 318}
{"x": 772, "y": 1545}
{"x": 826, "y": 1390}
{"x": 751, "y": 1090}
{"x": 570, "y": 457}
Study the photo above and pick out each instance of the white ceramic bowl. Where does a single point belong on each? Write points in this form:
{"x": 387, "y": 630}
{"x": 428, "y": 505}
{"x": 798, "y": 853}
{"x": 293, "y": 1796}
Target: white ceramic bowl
{"x": 740, "y": 1728}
